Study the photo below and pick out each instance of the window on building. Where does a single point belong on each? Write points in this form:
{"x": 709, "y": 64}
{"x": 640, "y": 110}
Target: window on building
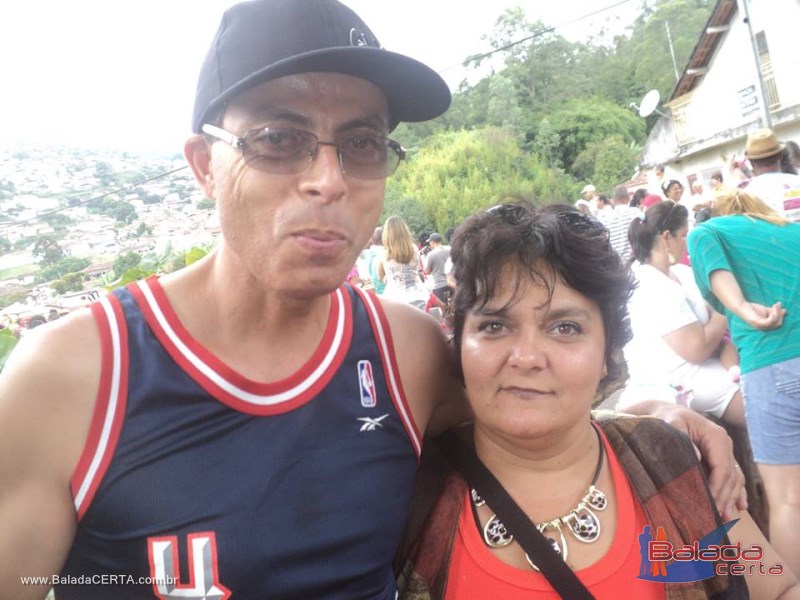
{"x": 767, "y": 74}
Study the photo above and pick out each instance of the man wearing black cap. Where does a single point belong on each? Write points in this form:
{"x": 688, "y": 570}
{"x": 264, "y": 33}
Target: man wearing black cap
{"x": 247, "y": 427}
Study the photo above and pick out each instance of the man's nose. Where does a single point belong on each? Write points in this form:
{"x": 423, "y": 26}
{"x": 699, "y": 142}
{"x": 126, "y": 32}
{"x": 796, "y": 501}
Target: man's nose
{"x": 325, "y": 174}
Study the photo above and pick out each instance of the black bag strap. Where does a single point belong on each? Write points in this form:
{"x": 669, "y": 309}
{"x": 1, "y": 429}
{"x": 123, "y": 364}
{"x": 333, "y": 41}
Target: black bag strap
{"x": 551, "y": 565}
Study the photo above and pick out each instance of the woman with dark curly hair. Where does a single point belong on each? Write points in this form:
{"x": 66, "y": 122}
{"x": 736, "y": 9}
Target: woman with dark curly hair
{"x": 540, "y": 319}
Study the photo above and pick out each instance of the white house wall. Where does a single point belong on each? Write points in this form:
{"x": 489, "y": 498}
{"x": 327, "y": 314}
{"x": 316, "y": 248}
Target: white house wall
{"x": 714, "y": 128}
{"x": 780, "y": 19}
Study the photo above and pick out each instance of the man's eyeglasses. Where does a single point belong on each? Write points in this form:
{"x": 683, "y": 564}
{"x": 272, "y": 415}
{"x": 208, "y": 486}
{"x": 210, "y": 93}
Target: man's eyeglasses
{"x": 286, "y": 150}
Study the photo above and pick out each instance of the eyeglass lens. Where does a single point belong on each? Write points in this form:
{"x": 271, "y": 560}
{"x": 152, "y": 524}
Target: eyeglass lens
{"x": 287, "y": 150}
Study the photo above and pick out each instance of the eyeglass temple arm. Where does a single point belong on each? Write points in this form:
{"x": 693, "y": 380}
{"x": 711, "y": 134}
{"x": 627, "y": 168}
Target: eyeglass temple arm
{"x": 223, "y": 135}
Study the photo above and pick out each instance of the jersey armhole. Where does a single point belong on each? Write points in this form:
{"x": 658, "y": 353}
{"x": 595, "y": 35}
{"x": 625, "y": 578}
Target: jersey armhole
{"x": 383, "y": 338}
{"x": 109, "y": 410}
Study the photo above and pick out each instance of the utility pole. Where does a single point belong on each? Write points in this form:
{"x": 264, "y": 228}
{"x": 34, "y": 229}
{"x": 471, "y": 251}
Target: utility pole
{"x": 672, "y": 52}
{"x": 744, "y": 7}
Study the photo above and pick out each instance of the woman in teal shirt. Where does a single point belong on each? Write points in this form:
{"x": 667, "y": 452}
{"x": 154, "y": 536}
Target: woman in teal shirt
{"x": 746, "y": 262}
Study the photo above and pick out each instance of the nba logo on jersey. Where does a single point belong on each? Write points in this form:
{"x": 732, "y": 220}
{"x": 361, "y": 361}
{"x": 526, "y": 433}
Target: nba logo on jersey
{"x": 366, "y": 383}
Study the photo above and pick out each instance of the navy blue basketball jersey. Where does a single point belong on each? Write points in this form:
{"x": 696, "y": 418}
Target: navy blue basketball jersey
{"x": 196, "y": 482}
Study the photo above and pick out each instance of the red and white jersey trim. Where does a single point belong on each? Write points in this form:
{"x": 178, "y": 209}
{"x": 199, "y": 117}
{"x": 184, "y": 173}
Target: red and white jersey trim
{"x": 109, "y": 410}
{"x": 383, "y": 336}
{"x": 231, "y": 387}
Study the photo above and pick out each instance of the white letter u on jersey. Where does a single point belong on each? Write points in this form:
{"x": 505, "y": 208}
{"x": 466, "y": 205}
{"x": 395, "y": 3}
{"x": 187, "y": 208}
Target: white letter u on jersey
{"x": 204, "y": 581}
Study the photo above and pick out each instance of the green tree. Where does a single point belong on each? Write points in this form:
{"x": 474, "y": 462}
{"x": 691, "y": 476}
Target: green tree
{"x": 143, "y": 229}
{"x": 180, "y": 260}
{"x": 7, "y": 343}
{"x": 205, "y": 204}
{"x": 124, "y": 212}
{"x": 546, "y": 144}
{"x": 125, "y": 262}
{"x": 104, "y": 172}
{"x": 68, "y": 264}
{"x": 129, "y": 276}
{"x": 411, "y": 209}
{"x": 607, "y": 163}
{"x": 24, "y": 242}
{"x": 148, "y": 197}
{"x": 585, "y": 120}
{"x": 58, "y": 221}
{"x": 644, "y": 56}
{"x": 47, "y": 250}
{"x": 71, "y": 282}
{"x": 458, "y": 173}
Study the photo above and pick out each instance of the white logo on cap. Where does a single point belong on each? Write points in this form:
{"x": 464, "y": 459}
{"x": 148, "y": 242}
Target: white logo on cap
{"x": 362, "y": 38}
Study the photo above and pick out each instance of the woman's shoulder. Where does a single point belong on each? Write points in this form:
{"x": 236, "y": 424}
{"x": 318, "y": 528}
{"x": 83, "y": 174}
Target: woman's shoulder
{"x": 654, "y": 288}
{"x": 639, "y": 432}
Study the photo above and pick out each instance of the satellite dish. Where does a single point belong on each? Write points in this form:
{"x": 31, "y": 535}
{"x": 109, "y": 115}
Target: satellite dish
{"x": 649, "y": 103}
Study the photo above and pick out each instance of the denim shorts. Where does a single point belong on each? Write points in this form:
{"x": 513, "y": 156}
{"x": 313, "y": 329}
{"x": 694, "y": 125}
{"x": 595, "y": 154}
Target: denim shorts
{"x": 772, "y": 408}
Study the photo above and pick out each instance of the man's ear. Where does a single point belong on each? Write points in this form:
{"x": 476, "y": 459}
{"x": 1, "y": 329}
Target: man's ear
{"x": 198, "y": 154}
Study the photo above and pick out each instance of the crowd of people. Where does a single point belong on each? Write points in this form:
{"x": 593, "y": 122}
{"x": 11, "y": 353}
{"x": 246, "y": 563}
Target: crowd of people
{"x": 712, "y": 315}
{"x": 281, "y": 420}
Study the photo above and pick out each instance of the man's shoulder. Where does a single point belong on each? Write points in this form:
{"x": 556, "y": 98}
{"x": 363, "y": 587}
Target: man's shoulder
{"x": 623, "y": 214}
{"x": 625, "y": 209}
{"x": 442, "y": 252}
{"x": 772, "y": 183}
{"x": 52, "y": 378}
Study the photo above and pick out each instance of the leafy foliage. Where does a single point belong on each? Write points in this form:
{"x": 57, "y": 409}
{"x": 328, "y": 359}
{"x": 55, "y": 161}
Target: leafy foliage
{"x": 58, "y": 221}
{"x": 67, "y": 265}
{"x": 458, "y": 173}
{"x": 47, "y": 250}
{"x": 205, "y": 204}
{"x": 121, "y": 211}
{"x": 126, "y": 262}
{"x": 7, "y": 343}
{"x": 557, "y": 111}
{"x": 71, "y": 282}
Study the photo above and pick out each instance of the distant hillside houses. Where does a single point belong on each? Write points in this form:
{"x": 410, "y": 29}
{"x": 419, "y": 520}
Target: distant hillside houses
{"x": 36, "y": 204}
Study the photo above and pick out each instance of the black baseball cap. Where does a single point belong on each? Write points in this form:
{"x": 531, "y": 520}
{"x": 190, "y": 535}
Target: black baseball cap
{"x": 262, "y": 40}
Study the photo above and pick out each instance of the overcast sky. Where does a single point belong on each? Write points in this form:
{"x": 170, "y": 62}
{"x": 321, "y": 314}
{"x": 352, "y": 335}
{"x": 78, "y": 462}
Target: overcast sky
{"x": 122, "y": 73}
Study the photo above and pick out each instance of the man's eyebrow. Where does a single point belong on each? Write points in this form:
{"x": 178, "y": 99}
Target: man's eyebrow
{"x": 280, "y": 114}
{"x": 373, "y": 121}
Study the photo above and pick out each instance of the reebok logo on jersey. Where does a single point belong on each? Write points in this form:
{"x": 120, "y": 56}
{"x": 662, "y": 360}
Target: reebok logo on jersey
{"x": 370, "y": 424}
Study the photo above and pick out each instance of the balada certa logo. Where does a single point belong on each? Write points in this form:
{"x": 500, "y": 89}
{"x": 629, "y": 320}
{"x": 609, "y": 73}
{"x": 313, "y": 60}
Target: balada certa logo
{"x": 666, "y": 562}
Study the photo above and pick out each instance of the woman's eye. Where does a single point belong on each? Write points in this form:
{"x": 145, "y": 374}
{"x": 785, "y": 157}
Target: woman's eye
{"x": 567, "y": 328}
{"x": 490, "y": 327}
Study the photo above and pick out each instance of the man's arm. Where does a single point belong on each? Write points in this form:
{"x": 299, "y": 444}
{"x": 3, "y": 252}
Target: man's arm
{"x": 727, "y": 290}
{"x": 47, "y": 393}
{"x": 426, "y": 363}
{"x": 713, "y": 445}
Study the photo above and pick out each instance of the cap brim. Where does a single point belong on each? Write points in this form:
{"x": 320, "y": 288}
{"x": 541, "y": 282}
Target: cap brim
{"x": 415, "y": 92}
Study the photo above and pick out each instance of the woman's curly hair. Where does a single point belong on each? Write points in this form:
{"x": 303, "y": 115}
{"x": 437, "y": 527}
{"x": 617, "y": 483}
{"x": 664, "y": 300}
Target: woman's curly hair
{"x": 543, "y": 244}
